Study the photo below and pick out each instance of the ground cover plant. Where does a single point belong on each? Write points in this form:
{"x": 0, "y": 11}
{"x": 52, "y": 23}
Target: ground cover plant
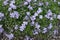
{"x": 27, "y": 19}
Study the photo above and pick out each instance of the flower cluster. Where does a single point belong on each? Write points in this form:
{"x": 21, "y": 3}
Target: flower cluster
{"x": 15, "y": 14}
{"x": 23, "y": 25}
{"x": 15, "y": 11}
{"x": 1, "y": 16}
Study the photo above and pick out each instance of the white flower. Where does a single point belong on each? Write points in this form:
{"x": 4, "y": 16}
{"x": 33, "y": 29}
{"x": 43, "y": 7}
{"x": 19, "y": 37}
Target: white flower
{"x": 29, "y": 1}
{"x": 35, "y": 32}
{"x": 28, "y": 13}
{"x": 24, "y": 22}
{"x": 39, "y": 10}
{"x": 40, "y": 16}
{"x": 46, "y": 3}
{"x": 16, "y": 27}
{"x": 1, "y": 14}
{"x": 44, "y": 30}
{"x": 1, "y": 26}
{"x": 25, "y": 3}
{"x": 30, "y": 7}
{"x": 15, "y": 14}
{"x": 33, "y": 18}
{"x": 54, "y": 0}
{"x": 26, "y": 18}
{"x": 51, "y": 18}
{"x": 49, "y": 11}
{"x": 49, "y": 14}
{"x": 12, "y": 6}
{"x": 10, "y": 36}
{"x": 22, "y": 27}
{"x": 55, "y": 32}
{"x": 35, "y": 14}
{"x": 1, "y": 30}
{"x": 58, "y": 17}
{"x": 40, "y": 3}
{"x": 9, "y": 9}
{"x": 32, "y": 23}
{"x": 12, "y": 15}
{"x": 58, "y": 3}
{"x": 5, "y": 2}
{"x": 37, "y": 25}
{"x": 50, "y": 26}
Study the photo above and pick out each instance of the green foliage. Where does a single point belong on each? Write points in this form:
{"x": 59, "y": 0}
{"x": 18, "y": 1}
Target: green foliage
{"x": 10, "y": 22}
